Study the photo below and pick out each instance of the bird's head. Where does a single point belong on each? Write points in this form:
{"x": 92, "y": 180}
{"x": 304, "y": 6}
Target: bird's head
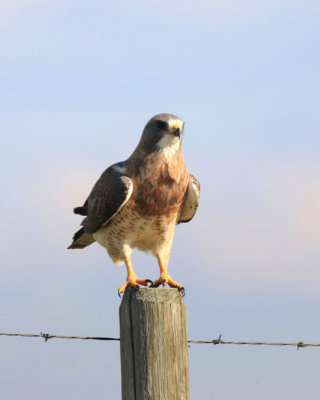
{"x": 164, "y": 132}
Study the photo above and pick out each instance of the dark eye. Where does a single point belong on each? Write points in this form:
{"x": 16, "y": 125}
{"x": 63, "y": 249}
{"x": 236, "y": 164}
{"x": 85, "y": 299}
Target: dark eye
{"x": 162, "y": 125}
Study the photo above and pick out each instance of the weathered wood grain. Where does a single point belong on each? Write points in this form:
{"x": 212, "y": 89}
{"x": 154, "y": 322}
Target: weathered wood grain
{"x": 154, "y": 347}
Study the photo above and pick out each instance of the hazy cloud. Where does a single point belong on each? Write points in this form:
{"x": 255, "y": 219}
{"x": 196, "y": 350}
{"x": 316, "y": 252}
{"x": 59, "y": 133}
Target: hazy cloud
{"x": 53, "y": 198}
{"x": 15, "y": 13}
{"x": 214, "y": 10}
{"x": 276, "y": 240}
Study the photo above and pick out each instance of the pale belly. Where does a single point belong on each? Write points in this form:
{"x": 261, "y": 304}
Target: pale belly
{"x": 129, "y": 230}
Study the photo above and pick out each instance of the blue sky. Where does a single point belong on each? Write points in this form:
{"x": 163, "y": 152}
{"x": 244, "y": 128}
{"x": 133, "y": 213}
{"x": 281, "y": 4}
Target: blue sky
{"x": 79, "y": 80}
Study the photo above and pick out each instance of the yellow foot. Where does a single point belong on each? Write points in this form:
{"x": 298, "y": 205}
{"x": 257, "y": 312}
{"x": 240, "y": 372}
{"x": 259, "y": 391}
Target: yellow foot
{"x": 165, "y": 279}
{"x": 133, "y": 281}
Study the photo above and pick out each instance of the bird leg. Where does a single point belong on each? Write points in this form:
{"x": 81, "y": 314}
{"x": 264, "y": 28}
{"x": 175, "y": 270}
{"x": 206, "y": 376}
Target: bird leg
{"x": 132, "y": 279}
{"x": 165, "y": 278}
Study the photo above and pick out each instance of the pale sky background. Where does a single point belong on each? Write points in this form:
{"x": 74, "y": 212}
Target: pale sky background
{"x": 79, "y": 80}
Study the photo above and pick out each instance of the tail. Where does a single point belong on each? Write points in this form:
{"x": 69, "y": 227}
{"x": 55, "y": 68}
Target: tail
{"x": 81, "y": 239}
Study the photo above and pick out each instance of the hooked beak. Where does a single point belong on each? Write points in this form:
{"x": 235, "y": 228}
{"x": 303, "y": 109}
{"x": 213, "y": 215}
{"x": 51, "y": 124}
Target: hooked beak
{"x": 177, "y": 128}
{"x": 177, "y": 132}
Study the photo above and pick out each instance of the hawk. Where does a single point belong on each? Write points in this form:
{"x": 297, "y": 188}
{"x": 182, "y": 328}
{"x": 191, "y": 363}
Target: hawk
{"x": 138, "y": 203}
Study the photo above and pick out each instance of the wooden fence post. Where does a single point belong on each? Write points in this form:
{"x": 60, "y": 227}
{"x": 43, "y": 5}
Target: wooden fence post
{"x": 154, "y": 345}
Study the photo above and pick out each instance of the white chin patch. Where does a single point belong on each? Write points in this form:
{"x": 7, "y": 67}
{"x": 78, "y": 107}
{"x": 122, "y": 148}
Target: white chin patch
{"x": 169, "y": 144}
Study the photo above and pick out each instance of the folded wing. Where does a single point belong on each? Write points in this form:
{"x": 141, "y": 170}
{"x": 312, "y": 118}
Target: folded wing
{"x": 108, "y": 196}
{"x": 191, "y": 200}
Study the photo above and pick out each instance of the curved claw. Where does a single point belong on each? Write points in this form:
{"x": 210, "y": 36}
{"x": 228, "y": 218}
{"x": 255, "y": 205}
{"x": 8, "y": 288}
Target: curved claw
{"x": 166, "y": 280}
{"x": 137, "y": 287}
{"x": 133, "y": 282}
{"x": 158, "y": 282}
{"x": 155, "y": 284}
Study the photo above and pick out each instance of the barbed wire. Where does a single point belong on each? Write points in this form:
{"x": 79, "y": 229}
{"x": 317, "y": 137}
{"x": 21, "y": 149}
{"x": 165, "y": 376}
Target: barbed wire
{"x": 47, "y": 336}
{"x": 298, "y": 345}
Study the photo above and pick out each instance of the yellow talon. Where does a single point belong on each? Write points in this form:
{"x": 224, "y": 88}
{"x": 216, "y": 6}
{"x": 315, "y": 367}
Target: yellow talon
{"x": 165, "y": 278}
{"x": 132, "y": 279}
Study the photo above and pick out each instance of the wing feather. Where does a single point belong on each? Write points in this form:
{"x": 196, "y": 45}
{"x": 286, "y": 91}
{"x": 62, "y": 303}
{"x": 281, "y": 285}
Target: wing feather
{"x": 191, "y": 200}
{"x": 108, "y": 196}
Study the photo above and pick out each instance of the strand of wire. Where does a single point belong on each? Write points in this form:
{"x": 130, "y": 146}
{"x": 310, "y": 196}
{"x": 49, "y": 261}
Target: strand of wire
{"x": 47, "y": 336}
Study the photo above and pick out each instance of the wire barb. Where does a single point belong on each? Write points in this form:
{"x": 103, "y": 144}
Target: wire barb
{"x": 46, "y": 336}
{"x": 217, "y": 341}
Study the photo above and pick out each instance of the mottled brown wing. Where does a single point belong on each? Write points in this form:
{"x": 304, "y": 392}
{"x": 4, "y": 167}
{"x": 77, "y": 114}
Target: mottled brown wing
{"x": 191, "y": 200}
{"x": 107, "y": 197}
